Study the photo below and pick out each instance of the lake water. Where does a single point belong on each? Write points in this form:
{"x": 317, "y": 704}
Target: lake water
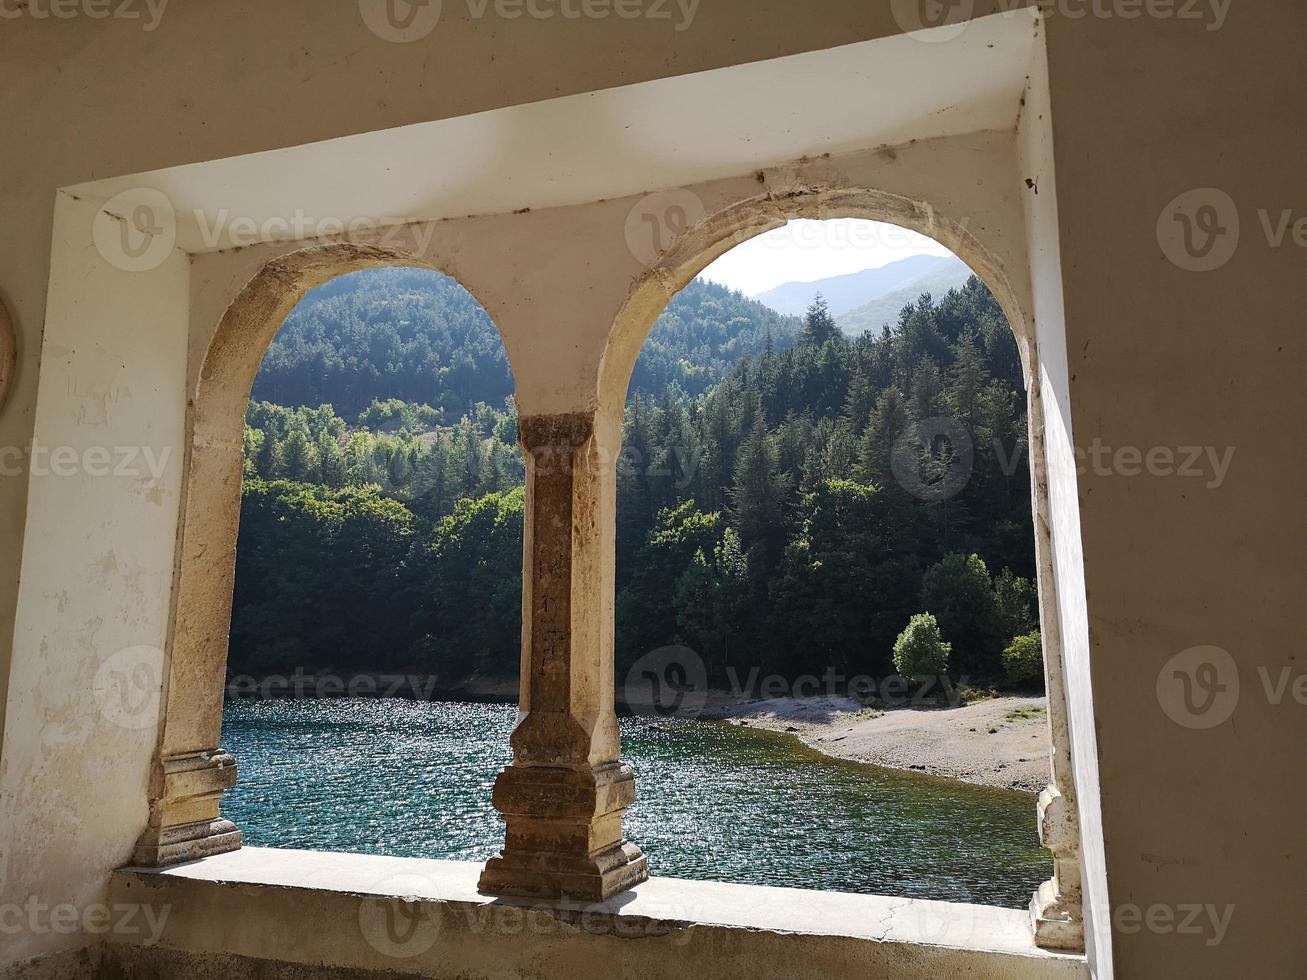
{"x": 715, "y": 801}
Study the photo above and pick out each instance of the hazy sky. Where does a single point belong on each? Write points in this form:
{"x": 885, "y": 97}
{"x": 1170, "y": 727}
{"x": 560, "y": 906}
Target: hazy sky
{"x": 806, "y": 250}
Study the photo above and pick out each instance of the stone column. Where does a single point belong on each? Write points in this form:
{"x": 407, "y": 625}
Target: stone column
{"x": 1057, "y": 907}
{"x": 190, "y": 771}
{"x": 563, "y": 796}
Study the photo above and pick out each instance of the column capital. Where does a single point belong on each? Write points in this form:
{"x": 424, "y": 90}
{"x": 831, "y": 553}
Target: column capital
{"x": 569, "y": 431}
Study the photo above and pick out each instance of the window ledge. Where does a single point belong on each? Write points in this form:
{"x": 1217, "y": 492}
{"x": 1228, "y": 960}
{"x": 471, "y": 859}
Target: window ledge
{"x": 342, "y": 910}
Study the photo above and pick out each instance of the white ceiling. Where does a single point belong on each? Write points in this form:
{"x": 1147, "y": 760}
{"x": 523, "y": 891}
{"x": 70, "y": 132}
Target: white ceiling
{"x": 664, "y": 133}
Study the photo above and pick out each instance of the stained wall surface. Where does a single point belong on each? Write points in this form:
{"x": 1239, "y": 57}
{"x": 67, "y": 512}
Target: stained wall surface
{"x": 1196, "y": 816}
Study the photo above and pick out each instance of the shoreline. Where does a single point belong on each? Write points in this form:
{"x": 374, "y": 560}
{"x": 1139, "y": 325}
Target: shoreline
{"x": 1001, "y": 742}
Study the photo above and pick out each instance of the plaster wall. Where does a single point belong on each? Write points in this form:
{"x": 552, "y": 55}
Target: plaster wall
{"x": 87, "y": 97}
{"x": 558, "y": 282}
{"x": 1157, "y": 355}
{"x": 1142, "y": 109}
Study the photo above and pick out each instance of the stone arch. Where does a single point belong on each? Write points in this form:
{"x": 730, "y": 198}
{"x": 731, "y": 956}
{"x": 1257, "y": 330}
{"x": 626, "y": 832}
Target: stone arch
{"x": 190, "y": 771}
{"x": 1056, "y": 907}
{"x": 720, "y": 231}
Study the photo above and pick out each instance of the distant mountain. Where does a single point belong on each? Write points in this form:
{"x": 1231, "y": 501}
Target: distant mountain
{"x": 848, "y": 292}
{"x": 885, "y": 309}
{"x": 704, "y": 331}
{"x": 420, "y": 337}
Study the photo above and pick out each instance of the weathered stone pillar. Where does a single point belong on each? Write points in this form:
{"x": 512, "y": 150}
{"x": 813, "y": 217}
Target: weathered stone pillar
{"x": 1057, "y": 907}
{"x": 563, "y": 796}
{"x": 190, "y": 771}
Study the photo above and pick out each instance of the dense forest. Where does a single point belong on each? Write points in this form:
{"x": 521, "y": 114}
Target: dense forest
{"x": 778, "y": 505}
{"x": 411, "y": 335}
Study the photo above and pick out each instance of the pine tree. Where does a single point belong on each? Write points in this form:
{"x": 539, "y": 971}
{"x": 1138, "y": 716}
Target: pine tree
{"x": 889, "y": 420}
{"x": 818, "y": 325}
{"x": 299, "y": 459}
{"x": 759, "y": 494}
{"x": 331, "y": 461}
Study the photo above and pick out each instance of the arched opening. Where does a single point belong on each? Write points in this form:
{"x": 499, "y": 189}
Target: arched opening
{"x": 350, "y": 522}
{"x": 926, "y": 418}
{"x": 378, "y": 572}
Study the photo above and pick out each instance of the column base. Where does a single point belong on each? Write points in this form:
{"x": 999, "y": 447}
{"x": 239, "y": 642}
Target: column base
{"x": 549, "y": 876}
{"x": 184, "y": 820}
{"x": 186, "y": 842}
{"x": 1058, "y": 925}
{"x": 564, "y": 834}
{"x": 1057, "y": 908}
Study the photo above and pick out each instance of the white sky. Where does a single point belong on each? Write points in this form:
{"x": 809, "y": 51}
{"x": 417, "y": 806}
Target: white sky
{"x": 805, "y": 250}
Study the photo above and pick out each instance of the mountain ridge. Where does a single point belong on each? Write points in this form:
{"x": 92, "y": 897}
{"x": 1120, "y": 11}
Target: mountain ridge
{"x": 847, "y": 292}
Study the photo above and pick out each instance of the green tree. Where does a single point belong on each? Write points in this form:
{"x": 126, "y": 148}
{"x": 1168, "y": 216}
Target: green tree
{"x": 920, "y": 650}
{"x": 646, "y": 607}
{"x": 759, "y": 494}
{"x": 959, "y": 592}
{"x": 1023, "y": 660}
{"x": 1017, "y": 601}
{"x": 299, "y": 458}
{"x": 818, "y": 325}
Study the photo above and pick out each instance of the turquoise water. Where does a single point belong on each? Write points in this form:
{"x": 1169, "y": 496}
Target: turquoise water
{"x": 716, "y": 801}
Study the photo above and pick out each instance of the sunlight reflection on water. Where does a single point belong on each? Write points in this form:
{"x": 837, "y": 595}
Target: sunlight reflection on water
{"x": 715, "y": 801}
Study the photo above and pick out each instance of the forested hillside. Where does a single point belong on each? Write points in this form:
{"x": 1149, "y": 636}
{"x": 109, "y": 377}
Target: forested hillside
{"x": 763, "y": 517}
{"x": 416, "y": 336}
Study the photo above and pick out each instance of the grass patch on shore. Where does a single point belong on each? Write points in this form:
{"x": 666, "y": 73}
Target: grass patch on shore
{"x": 1025, "y": 714}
